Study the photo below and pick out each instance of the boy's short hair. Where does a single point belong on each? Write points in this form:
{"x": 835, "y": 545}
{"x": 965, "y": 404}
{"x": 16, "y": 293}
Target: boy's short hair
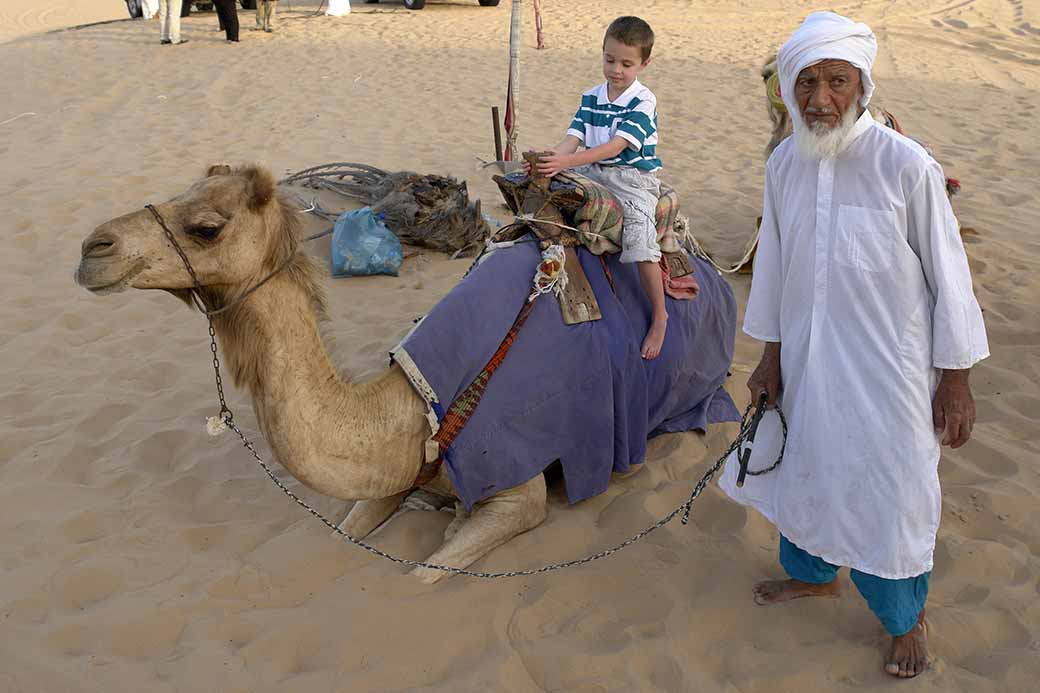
{"x": 632, "y": 31}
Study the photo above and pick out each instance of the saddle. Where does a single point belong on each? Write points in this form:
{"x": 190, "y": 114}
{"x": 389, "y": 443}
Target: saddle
{"x": 571, "y": 210}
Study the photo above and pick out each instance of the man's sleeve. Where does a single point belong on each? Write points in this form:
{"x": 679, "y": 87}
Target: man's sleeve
{"x": 762, "y": 317}
{"x": 640, "y": 123}
{"x": 958, "y": 332}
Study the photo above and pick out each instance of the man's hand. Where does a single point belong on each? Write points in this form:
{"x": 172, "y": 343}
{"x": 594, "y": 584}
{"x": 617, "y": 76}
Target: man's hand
{"x": 766, "y": 377}
{"x": 953, "y": 409}
{"x": 551, "y": 164}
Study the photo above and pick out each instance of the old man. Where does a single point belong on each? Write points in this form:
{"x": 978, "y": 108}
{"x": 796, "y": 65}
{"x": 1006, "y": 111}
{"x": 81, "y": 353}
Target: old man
{"x": 863, "y": 296}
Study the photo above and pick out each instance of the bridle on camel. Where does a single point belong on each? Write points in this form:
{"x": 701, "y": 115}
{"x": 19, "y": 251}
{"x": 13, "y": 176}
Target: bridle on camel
{"x": 196, "y": 295}
{"x": 226, "y": 419}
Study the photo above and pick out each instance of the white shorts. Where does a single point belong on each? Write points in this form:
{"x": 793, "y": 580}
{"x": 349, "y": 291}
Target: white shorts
{"x": 638, "y": 192}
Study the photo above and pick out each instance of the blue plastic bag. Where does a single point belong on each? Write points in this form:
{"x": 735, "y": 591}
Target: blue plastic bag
{"x": 362, "y": 245}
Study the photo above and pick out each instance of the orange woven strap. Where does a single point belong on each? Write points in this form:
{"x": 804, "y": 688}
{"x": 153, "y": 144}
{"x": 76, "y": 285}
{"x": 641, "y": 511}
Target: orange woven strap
{"x": 427, "y": 472}
{"x": 462, "y": 408}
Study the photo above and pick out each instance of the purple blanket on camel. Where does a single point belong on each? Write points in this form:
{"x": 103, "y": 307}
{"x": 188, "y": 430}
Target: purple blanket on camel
{"x": 580, "y": 394}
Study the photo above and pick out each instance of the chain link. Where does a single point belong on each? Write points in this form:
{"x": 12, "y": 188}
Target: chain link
{"x": 228, "y": 418}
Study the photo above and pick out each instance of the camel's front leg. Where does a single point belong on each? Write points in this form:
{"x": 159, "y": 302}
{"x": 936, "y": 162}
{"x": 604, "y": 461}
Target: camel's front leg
{"x": 366, "y": 515}
{"x": 493, "y": 522}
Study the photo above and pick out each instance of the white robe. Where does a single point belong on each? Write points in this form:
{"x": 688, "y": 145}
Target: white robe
{"x": 861, "y": 275}
{"x": 338, "y": 8}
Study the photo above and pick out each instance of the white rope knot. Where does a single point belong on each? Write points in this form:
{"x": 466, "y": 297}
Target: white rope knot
{"x": 551, "y": 275}
{"x": 215, "y": 425}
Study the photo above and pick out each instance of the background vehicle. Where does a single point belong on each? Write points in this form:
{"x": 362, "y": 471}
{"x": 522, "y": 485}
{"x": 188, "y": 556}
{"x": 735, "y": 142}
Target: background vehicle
{"x": 134, "y": 6}
{"x": 419, "y": 4}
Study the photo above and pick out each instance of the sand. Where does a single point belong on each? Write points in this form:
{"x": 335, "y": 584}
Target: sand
{"x": 139, "y": 554}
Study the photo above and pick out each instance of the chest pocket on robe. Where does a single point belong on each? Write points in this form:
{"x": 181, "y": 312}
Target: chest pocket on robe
{"x": 866, "y": 238}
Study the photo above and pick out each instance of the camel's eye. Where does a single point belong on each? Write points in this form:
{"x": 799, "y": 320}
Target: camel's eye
{"x": 205, "y": 231}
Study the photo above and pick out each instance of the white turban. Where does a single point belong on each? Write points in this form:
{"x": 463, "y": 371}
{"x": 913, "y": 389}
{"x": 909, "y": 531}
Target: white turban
{"x": 825, "y": 36}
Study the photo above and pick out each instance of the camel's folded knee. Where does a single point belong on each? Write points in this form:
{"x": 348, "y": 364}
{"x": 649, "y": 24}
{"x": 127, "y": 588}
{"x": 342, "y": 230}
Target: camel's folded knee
{"x": 493, "y": 522}
{"x": 368, "y": 515}
{"x": 526, "y": 503}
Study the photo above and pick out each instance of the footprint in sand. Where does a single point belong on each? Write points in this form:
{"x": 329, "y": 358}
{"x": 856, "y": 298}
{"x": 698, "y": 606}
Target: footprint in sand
{"x": 83, "y": 586}
{"x": 718, "y": 516}
{"x": 1016, "y": 6}
{"x": 91, "y": 525}
{"x": 972, "y": 595}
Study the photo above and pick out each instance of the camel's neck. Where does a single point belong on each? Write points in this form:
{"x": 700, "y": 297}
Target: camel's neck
{"x": 343, "y": 440}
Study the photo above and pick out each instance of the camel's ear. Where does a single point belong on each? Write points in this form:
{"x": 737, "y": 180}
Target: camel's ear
{"x": 218, "y": 170}
{"x": 259, "y": 185}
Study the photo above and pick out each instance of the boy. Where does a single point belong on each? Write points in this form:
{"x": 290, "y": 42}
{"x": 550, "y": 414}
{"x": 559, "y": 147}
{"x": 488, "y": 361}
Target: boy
{"x": 617, "y": 124}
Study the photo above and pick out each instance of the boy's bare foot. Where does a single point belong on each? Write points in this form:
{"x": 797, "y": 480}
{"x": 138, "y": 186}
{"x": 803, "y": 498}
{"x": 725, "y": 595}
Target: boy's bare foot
{"x": 909, "y": 654}
{"x": 775, "y": 591}
{"x": 654, "y": 339}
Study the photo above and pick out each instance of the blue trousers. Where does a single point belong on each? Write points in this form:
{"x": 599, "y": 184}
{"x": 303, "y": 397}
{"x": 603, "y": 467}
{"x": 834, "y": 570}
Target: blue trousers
{"x": 896, "y": 603}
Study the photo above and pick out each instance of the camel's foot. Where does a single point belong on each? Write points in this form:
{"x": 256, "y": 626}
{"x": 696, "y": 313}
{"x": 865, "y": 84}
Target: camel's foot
{"x": 909, "y": 655}
{"x": 367, "y": 515}
{"x": 775, "y": 591}
{"x": 493, "y": 522}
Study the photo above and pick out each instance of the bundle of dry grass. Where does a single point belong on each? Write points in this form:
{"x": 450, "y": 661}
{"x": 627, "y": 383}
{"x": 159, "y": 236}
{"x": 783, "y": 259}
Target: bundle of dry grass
{"x": 425, "y": 210}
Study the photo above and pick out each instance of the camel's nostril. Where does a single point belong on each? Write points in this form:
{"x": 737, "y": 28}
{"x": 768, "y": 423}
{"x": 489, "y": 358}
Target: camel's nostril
{"x": 98, "y": 247}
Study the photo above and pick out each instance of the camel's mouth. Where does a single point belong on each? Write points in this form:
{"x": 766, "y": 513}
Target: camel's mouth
{"x": 95, "y": 280}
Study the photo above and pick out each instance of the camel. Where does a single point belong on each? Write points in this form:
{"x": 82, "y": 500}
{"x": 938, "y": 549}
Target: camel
{"x": 362, "y": 442}
{"x": 354, "y": 441}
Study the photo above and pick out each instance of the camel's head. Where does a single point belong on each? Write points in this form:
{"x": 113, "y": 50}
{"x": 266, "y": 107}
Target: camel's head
{"x": 230, "y": 224}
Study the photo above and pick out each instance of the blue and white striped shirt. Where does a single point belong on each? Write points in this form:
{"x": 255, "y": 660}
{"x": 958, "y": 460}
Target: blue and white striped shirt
{"x": 633, "y": 115}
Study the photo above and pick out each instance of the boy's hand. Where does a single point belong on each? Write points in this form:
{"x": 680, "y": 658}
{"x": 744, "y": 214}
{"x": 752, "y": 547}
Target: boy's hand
{"x": 551, "y": 164}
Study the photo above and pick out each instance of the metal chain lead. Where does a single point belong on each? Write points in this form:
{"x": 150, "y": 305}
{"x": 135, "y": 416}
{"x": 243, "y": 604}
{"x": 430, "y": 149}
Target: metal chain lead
{"x": 684, "y": 508}
{"x": 226, "y": 414}
{"x": 228, "y": 418}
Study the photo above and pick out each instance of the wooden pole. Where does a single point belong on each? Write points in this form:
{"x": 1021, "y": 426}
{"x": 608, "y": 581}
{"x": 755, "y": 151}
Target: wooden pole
{"x": 513, "y": 90}
{"x": 538, "y": 23}
{"x": 498, "y": 134}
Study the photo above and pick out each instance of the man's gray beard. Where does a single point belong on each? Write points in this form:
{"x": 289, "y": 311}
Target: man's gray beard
{"x": 822, "y": 142}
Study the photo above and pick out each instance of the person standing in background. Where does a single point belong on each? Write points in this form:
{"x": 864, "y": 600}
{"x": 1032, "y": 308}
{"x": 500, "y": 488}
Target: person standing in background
{"x": 265, "y": 14}
{"x": 170, "y": 22}
{"x": 149, "y": 8}
{"x": 228, "y": 17}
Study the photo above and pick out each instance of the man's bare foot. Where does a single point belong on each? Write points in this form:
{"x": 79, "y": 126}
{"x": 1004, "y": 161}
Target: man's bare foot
{"x": 909, "y": 654}
{"x": 654, "y": 339}
{"x": 775, "y": 591}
